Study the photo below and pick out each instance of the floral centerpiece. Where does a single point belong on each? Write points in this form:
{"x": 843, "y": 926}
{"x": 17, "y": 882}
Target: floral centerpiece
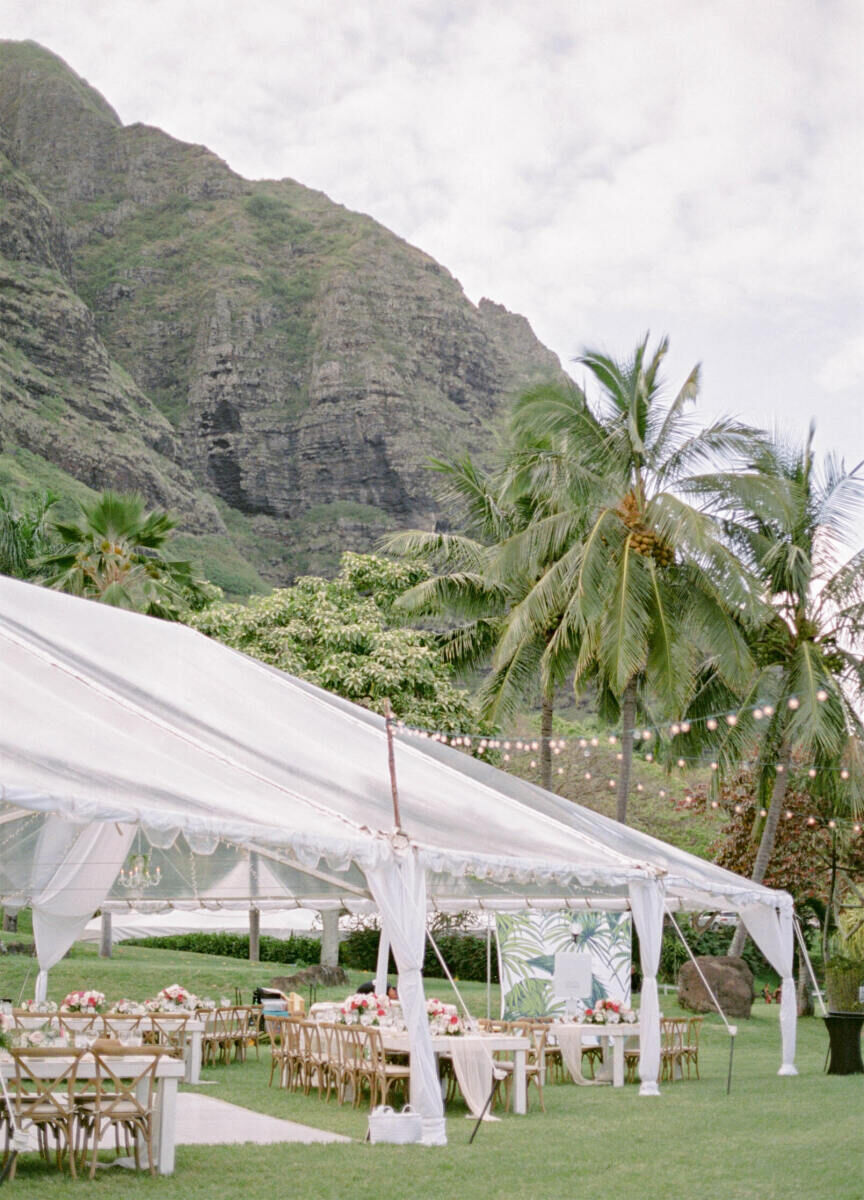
{"x": 443, "y": 1018}
{"x": 172, "y": 999}
{"x": 39, "y": 1006}
{"x": 88, "y": 1002}
{"x": 608, "y": 1012}
{"x": 129, "y": 1008}
{"x": 364, "y": 1009}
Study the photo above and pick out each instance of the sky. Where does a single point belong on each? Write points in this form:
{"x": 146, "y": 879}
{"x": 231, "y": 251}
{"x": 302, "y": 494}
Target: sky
{"x": 605, "y": 168}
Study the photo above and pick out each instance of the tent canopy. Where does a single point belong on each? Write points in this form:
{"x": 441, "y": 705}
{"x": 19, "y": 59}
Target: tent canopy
{"x": 109, "y": 716}
{"x": 116, "y": 727}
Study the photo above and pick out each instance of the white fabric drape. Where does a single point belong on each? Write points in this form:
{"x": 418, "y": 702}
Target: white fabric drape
{"x": 773, "y": 932}
{"x": 475, "y": 1070}
{"x": 569, "y": 1039}
{"x": 647, "y": 897}
{"x": 74, "y": 869}
{"x": 382, "y": 963}
{"x": 399, "y": 889}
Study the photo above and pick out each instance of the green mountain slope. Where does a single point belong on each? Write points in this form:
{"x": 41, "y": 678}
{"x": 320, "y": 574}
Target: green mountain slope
{"x": 275, "y": 368}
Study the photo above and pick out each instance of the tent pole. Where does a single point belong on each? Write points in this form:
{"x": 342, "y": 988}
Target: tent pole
{"x": 732, "y": 1030}
{"x": 391, "y": 762}
{"x": 105, "y": 935}
{"x": 254, "y": 912}
{"x": 803, "y": 948}
{"x": 450, "y": 978}
{"x": 488, "y": 968}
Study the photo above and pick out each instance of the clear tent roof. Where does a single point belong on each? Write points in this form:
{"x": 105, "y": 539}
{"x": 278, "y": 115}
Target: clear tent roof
{"x": 110, "y": 716}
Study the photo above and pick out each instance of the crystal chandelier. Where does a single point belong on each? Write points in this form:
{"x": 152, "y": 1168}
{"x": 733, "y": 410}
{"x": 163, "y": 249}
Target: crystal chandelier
{"x": 136, "y": 875}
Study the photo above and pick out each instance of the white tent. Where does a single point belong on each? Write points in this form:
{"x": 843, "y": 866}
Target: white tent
{"x": 279, "y": 923}
{"x": 115, "y": 726}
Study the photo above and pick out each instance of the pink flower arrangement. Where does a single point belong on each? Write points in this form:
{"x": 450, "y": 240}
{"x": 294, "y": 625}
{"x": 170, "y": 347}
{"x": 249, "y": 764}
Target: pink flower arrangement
{"x": 172, "y": 999}
{"x": 87, "y": 1002}
{"x": 608, "y": 1012}
{"x": 39, "y": 1006}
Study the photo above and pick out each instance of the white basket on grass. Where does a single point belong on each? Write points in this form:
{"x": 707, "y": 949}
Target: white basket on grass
{"x": 398, "y": 1128}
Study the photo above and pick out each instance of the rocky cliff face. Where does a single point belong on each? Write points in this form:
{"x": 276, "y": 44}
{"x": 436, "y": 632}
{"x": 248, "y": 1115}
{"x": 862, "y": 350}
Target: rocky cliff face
{"x": 271, "y": 366}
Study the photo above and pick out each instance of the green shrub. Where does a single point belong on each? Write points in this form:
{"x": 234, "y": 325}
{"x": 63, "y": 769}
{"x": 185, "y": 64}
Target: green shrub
{"x": 297, "y": 950}
{"x": 465, "y": 955}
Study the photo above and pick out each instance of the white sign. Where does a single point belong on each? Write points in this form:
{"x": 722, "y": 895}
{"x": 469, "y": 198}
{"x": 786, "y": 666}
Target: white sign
{"x": 572, "y": 977}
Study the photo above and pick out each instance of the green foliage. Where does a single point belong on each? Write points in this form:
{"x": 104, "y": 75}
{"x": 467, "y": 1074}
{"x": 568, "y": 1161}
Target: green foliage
{"x": 24, "y": 533}
{"x": 298, "y": 950}
{"x": 714, "y": 941}
{"x": 113, "y": 553}
{"x": 276, "y": 221}
{"x": 465, "y": 955}
{"x": 344, "y": 635}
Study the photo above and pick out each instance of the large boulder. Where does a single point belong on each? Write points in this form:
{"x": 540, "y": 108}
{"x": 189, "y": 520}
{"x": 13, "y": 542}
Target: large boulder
{"x": 730, "y": 979}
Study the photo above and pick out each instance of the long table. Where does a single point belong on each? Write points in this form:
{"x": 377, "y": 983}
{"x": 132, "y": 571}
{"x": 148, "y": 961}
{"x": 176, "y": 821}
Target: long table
{"x": 614, "y": 1035}
{"x": 192, "y": 1035}
{"x": 169, "y": 1071}
{"x": 442, "y": 1045}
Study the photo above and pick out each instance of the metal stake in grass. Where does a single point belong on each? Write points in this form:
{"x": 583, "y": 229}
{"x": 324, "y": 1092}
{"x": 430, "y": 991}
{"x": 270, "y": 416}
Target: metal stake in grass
{"x": 733, "y": 1029}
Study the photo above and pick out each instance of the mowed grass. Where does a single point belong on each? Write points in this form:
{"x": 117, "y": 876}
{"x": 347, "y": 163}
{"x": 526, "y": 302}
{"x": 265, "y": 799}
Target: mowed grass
{"x": 772, "y": 1138}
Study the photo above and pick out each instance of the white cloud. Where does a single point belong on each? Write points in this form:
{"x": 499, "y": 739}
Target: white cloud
{"x": 603, "y": 167}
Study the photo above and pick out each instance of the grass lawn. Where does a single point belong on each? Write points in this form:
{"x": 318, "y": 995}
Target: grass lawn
{"x": 772, "y": 1138}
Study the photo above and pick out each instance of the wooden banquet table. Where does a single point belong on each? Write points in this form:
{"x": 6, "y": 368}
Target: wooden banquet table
{"x": 442, "y": 1045}
{"x": 169, "y": 1071}
{"x": 192, "y": 1034}
{"x": 572, "y": 1037}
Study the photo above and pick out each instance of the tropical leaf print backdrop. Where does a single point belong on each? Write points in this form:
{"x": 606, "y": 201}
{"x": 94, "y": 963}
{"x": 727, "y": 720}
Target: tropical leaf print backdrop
{"x": 528, "y": 942}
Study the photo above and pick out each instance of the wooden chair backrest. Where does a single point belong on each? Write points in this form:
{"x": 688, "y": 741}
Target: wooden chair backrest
{"x": 120, "y": 1026}
{"x": 170, "y": 1031}
{"x": 125, "y": 1089}
{"x": 72, "y": 1023}
{"x": 36, "y": 1081}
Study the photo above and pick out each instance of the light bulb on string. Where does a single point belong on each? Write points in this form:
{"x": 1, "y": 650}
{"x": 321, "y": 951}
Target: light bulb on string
{"x": 793, "y": 702}
{"x": 732, "y": 719}
{"x": 812, "y": 773}
{"x": 821, "y": 695}
{"x": 844, "y": 774}
{"x": 711, "y": 723}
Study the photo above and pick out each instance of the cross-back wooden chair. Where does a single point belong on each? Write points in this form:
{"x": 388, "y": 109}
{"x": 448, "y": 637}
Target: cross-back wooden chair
{"x": 169, "y": 1032}
{"x": 44, "y": 1096}
{"x": 690, "y": 1045}
{"x": 119, "y": 1097}
{"x": 672, "y": 1030}
{"x": 121, "y": 1026}
{"x": 383, "y": 1073}
{"x": 75, "y": 1024}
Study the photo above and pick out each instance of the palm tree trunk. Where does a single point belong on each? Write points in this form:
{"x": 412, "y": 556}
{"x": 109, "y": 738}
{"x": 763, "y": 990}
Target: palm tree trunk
{"x": 829, "y": 904}
{"x": 628, "y": 724}
{"x": 547, "y": 711}
{"x": 769, "y": 835}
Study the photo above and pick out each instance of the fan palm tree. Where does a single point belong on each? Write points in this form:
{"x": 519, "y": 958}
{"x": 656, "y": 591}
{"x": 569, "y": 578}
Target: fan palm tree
{"x": 635, "y": 581}
{"x": 809, "y": 684}
{"x": 24, "y": 533}
{"x": 114, "y": 553}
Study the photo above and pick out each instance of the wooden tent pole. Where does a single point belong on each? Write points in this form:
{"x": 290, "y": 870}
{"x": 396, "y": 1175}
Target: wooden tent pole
{"x": 391, "y": 762}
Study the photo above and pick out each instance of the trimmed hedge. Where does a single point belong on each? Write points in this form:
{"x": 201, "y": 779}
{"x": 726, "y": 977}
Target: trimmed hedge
{"x": 464, "y": 954}
{"x": 300, "y": 951}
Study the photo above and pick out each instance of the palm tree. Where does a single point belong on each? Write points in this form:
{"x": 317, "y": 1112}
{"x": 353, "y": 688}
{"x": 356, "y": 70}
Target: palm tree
{"x": 114, "y": 553}
{"x": 490, "y": 508}
{"x": 24, "y": 533}
{"x": 809, "y": 685}
{"x": 635, "y": 581}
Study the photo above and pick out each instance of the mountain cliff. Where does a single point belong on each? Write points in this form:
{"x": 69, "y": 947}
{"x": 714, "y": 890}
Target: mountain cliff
{"x": 272, "y": 367}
